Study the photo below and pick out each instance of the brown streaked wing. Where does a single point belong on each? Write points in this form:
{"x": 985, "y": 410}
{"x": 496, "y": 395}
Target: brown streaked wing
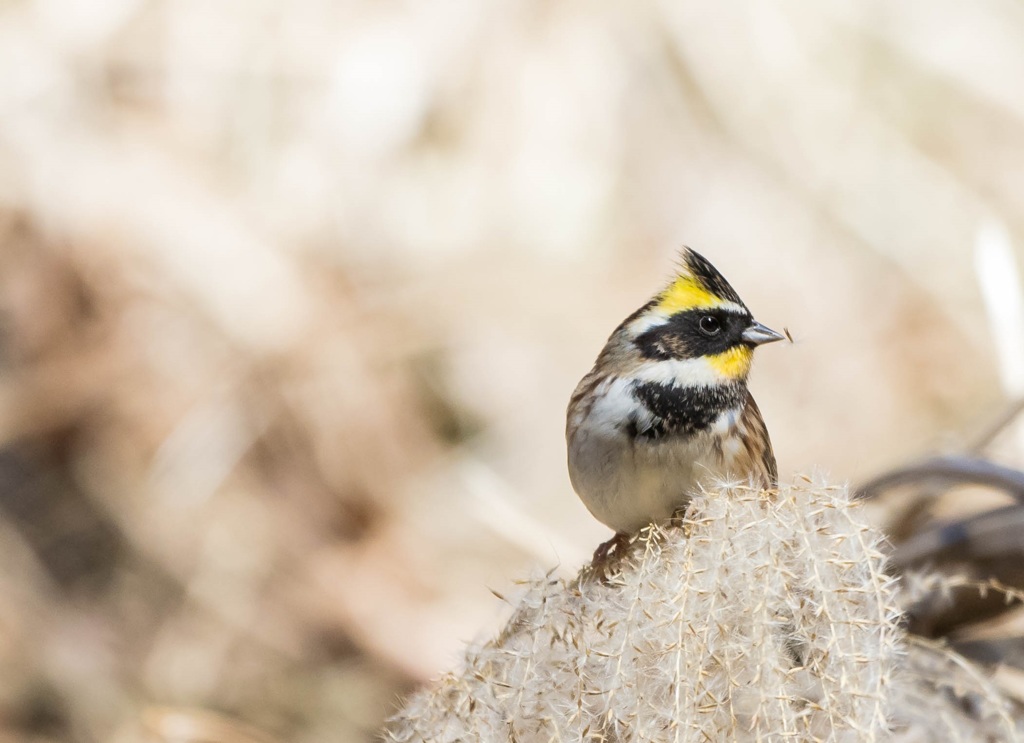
{"x": 759, "y": 444}
{"x": 582, "y": 399}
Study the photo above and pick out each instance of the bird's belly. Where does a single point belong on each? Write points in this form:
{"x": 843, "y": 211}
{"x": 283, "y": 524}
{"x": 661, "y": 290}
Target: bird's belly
{"x": 628, "y": 483}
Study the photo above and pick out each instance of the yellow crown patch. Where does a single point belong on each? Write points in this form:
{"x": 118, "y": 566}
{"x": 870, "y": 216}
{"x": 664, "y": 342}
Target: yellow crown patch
{"x": 686, "y": 293}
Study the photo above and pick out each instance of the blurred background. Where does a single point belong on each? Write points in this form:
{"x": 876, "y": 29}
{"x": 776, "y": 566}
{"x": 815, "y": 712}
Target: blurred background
{"x": 293, "y": 297}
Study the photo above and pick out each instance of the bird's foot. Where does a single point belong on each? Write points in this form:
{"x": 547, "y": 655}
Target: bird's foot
{"x": 606, "y": 551}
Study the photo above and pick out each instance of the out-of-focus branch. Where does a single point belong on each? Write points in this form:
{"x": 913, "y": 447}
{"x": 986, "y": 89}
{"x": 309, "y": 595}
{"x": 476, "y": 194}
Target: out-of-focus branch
{"x": 951, "y": 470}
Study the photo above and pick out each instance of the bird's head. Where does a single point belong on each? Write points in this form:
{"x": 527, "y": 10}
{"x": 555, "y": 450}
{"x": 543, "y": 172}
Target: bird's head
{"x": 698, "y": 325}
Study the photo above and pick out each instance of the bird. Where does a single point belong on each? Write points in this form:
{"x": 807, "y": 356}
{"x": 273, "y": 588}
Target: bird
{"x": 665, "y": 410}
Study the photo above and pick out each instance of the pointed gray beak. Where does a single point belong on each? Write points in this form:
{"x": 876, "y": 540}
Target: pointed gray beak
{"x": 757, "y": 334}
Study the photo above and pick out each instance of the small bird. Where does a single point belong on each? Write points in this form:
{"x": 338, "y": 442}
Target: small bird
{"x": 666, "y": 407}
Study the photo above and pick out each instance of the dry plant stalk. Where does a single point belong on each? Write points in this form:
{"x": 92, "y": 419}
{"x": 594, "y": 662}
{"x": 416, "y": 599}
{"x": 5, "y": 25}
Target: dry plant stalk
{"x": 759, "y": 616}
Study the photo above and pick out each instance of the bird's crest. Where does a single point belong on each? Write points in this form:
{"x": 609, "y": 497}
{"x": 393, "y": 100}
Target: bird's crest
{"x": 698, "y": 285}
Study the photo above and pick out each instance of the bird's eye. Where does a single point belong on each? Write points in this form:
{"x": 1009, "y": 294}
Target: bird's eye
{"x": 709, "y": 325}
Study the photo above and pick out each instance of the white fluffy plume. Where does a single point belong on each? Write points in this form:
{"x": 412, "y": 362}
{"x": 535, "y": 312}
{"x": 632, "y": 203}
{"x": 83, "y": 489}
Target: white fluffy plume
{"x": 758, "y": 617}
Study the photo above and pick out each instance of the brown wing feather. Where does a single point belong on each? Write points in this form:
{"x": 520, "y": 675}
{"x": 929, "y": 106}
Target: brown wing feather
{"x": 759, "y": 445}
{"x": 582, "y": 399}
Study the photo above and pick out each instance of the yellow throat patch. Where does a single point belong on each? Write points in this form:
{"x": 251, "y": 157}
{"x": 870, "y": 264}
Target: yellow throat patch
{"x": 734, "y": 363}
{"x": 686, "y": 293}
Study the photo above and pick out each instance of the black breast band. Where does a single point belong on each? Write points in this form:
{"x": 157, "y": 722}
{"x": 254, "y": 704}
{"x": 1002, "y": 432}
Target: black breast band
{"x": 683, "y": 411}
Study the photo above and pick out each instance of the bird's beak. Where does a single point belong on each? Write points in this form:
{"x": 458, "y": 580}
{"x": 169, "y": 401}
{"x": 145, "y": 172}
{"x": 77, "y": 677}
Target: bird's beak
{"x": 757, "y": 334}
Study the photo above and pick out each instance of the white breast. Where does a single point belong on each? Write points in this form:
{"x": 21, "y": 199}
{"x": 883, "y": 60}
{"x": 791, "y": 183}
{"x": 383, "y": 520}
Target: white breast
{"x": 628, "y": 483}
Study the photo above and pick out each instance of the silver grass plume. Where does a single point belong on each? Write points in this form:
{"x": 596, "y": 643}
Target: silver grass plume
{"x": 759, "y": 616}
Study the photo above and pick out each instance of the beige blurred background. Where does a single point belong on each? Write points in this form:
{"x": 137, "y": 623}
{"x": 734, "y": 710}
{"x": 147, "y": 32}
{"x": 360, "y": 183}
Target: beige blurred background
{"x": 293, "y": 296}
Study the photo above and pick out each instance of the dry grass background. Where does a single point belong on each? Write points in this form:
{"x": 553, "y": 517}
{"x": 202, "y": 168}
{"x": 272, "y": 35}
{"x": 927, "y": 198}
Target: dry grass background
{"x": 293, "y": 296}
